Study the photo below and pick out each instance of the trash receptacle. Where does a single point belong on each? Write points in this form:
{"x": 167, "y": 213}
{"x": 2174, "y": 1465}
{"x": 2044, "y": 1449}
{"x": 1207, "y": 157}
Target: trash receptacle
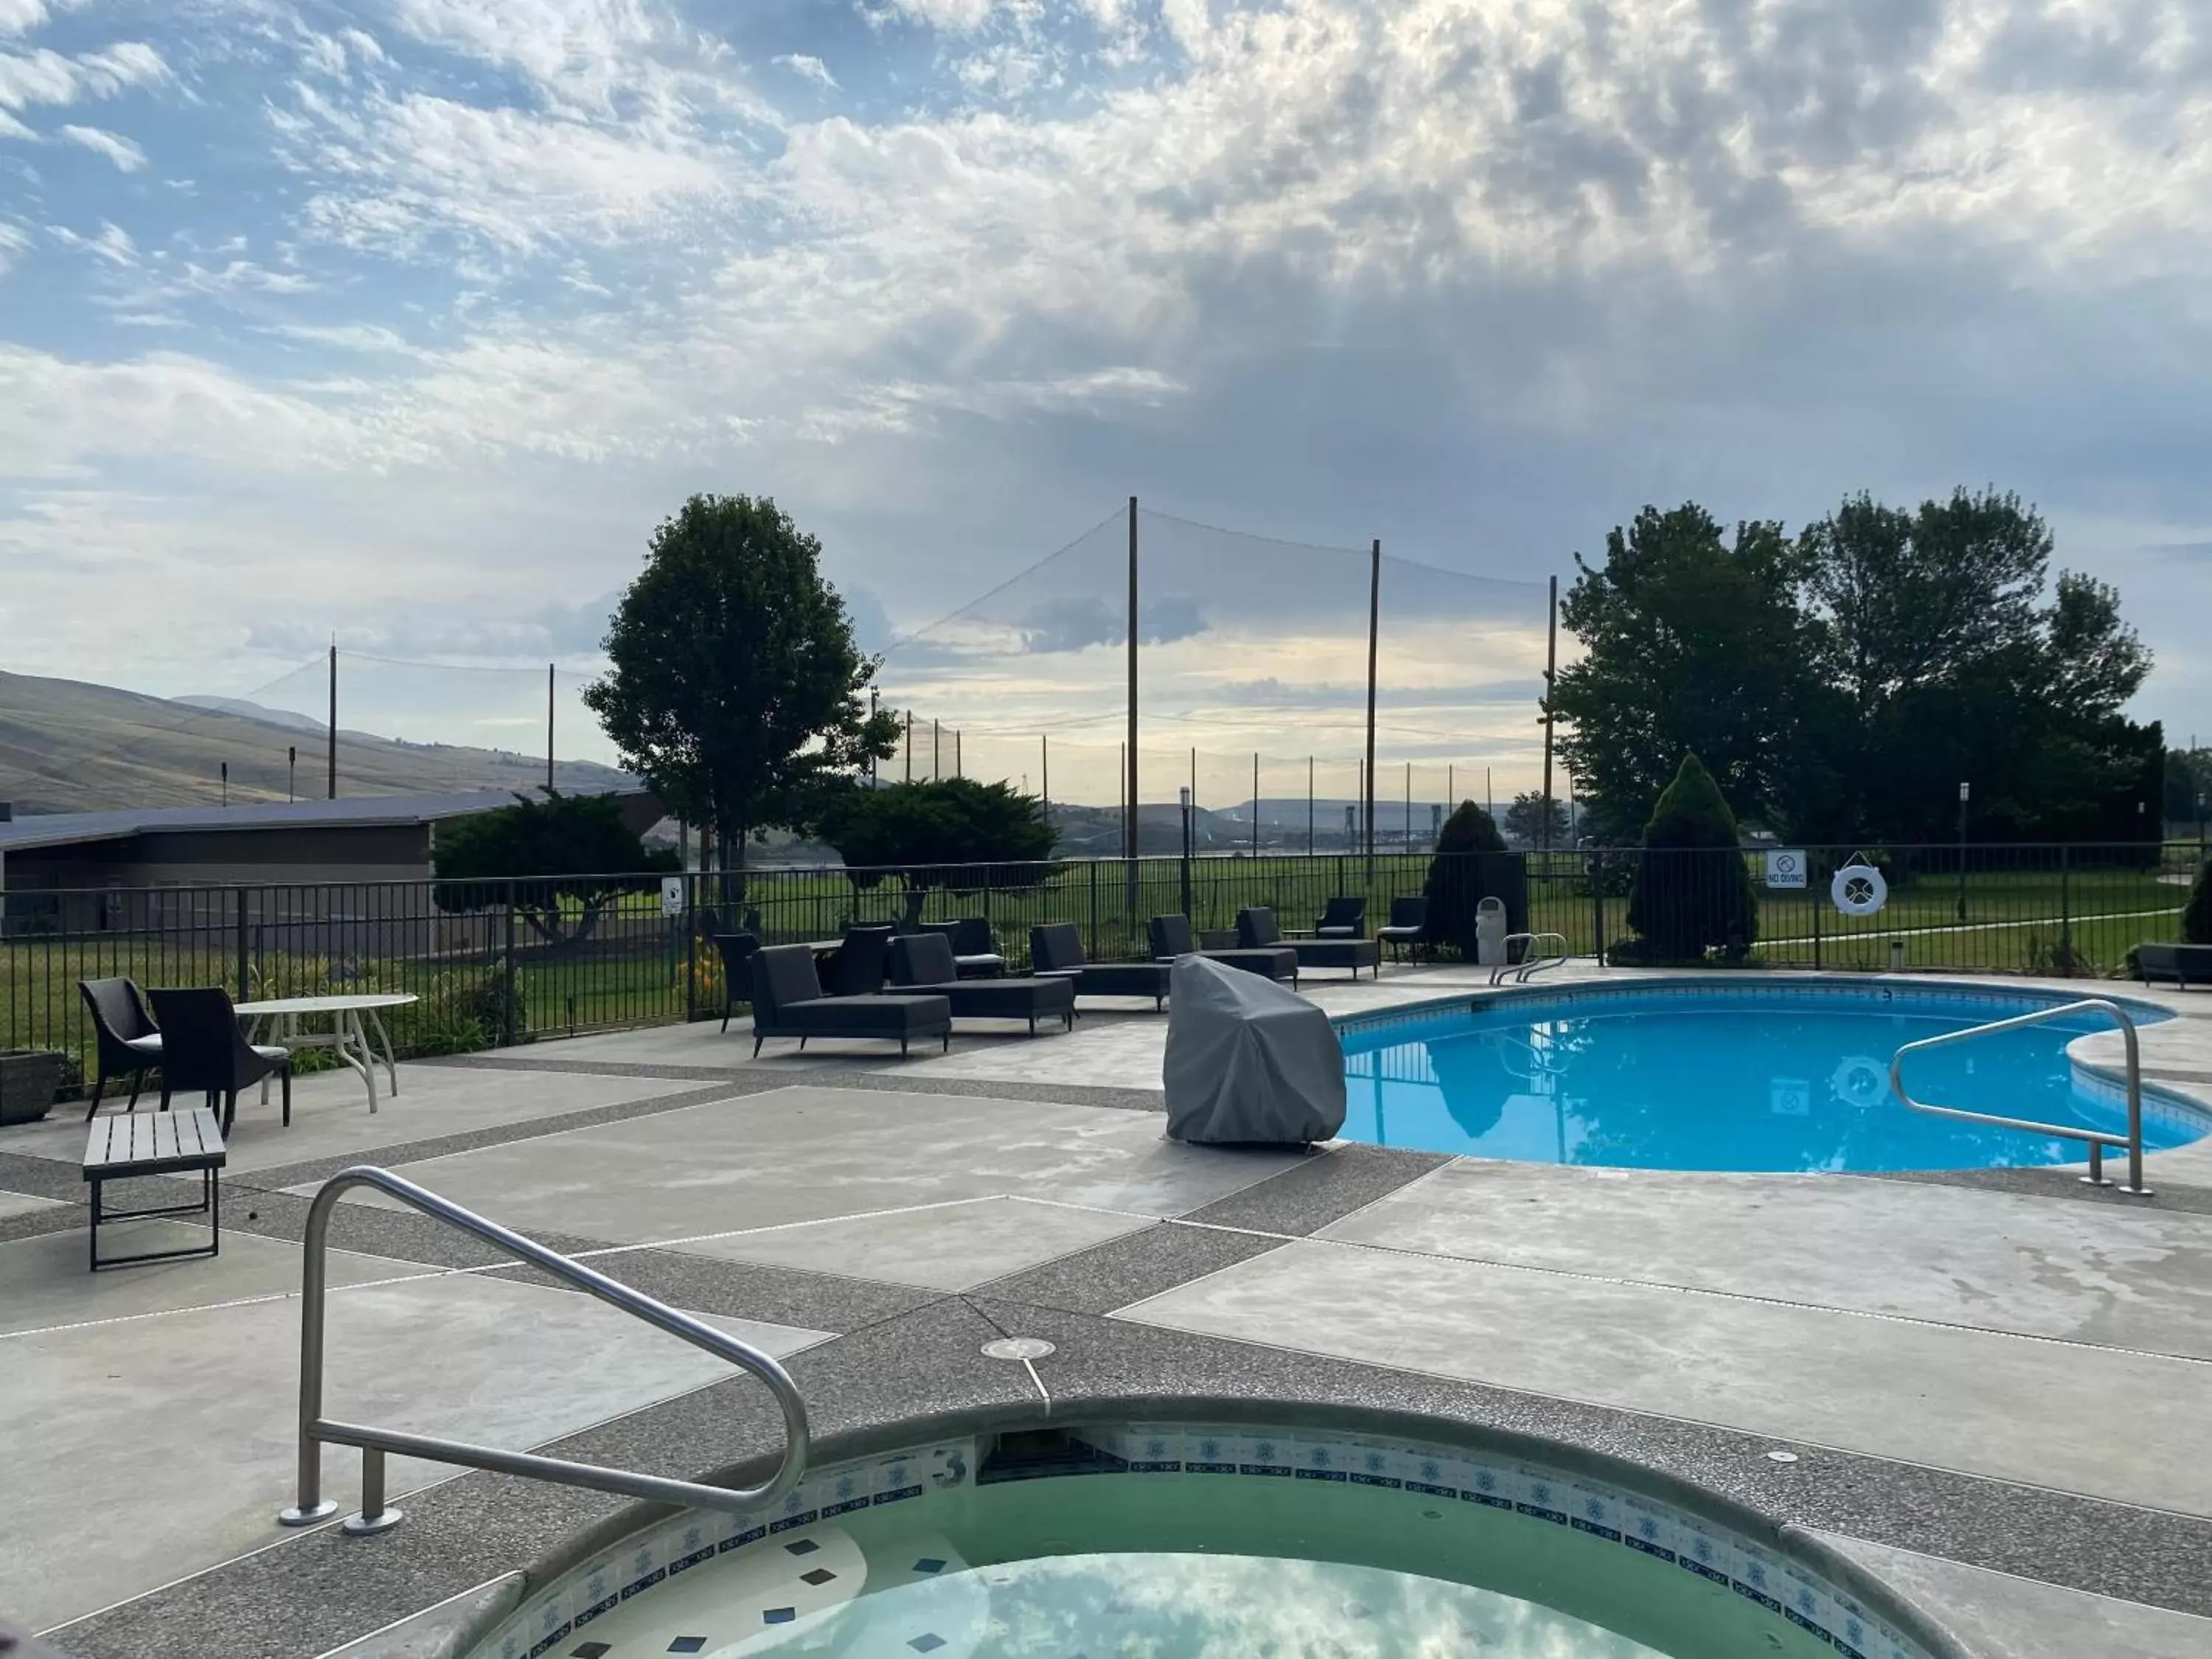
{"x": 1489, "y": 933}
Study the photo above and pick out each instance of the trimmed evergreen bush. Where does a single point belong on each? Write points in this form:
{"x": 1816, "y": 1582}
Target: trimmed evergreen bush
{"x": 1693, "y": 891}
{"x": 1472, "y": 863}
{"x": 2196, "y": 919}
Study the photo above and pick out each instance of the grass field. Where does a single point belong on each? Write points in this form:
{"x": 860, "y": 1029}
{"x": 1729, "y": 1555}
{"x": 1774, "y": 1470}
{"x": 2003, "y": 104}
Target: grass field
{"x": 640, "y": 966}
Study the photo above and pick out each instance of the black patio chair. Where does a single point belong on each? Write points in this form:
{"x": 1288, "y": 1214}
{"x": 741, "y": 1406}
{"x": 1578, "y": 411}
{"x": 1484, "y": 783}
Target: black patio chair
{"x": 130, "y": 1042}
{"x": 736, "y": 951}
{"x": 1170, "y": 936}
{"x": 861, "y": 960}
{"x": 788, "y": 1002}
{"x": 925, "y": 962}
{"x": 975, "y": 948}
{"x": 203, "y": 1049}
{"x": 1344, "y": 917}
{"x": 1409, "y": 925}
{"x": 1256, "y": 931}
{"x": 1056, "y": 952}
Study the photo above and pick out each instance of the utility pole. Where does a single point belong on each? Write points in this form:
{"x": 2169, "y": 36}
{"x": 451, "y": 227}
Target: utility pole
{"x": 226, "y": 783}
{"x": 909, "y": 745}
{"x": 1374, "y": 628}
{"x": 1409, "y": 807}
{"x": 1129, "y": 818}
{"x": 875, "y": 698}
{"x": 1551, "y": 675}
{"x": 1255, "y": 803}
{"x": 1965, "y": 791}
{"x": 291, "y": 774}
{"x": 1310, "y": 805}
{"x": 936, "y": 750}
{"x": 334, "y": 719}
{"x": 549, "y": 730}
{"x": 1044, "y": 774}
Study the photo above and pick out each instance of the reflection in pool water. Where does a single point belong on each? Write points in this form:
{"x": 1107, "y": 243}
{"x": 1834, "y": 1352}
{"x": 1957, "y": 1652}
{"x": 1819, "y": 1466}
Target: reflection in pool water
{"x": 1729, "y": 1081}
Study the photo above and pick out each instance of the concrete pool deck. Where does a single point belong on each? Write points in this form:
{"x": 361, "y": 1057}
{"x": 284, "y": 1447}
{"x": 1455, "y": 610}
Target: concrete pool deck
{"x": 1995, "y": 1386}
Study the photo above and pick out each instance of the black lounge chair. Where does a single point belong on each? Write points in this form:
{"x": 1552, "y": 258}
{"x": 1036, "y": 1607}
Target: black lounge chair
{"x": 1256, "y": 930}
{"x": 2178, "y": 963}
{"x": 1056, "y": 952}
{"x": 788, "y": 1002}
{"x": 1170, "y": 938}
{"x": 926, "y": 962}
{"x": 1409, "y": 925}
{"x": 736, "y": 951}
{"x": 974, "y": 951}
{"x": 1345, "y": 917}
{"x": 203, "y": 1050}
{"x": 130, "y": 1042}
{"x": 860, "y": 964}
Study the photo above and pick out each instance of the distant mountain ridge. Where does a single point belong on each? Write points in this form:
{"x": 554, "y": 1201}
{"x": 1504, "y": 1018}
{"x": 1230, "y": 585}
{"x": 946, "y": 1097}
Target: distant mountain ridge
{"x": 72, "y": 746}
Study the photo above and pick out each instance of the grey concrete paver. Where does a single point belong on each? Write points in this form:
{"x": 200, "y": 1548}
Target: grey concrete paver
{"x": 947, "y": 1247}
{"x": 176, "y": 1448}
{"x": 808, "y": 1154}
{"x": 46, "y": 1282}
{"x": 1999, "y": 1616}
{"x": 2135, "y": 1278}
{"x": 2092, "y": 1421}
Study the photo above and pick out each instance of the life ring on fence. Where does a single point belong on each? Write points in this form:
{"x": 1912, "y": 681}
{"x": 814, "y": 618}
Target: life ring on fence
{"x": 1860, "y": 1082}
{"x": 1859, "y": 890}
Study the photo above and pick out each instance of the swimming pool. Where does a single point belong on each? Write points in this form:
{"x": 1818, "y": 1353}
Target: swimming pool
{"x": 1225, "y": 1541}
{"x": 1692, "y": 1076}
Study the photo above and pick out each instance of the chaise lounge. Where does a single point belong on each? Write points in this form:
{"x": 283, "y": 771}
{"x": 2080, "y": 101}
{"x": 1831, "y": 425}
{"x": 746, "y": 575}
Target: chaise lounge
{"x": 2178, "y": 963}
{"x": 925, "y": 962}
{"x": 1056, "y": 952}
{"x": 788, "y": 1002}
{"x": 1172, "y": 938}
{"x": 1256, "y": 930}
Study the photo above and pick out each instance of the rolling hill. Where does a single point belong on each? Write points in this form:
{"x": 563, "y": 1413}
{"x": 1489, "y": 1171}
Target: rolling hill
{"x": 69, "y": 746}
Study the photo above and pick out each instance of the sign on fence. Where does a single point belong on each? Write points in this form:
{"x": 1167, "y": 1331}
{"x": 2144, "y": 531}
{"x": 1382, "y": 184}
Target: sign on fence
{"x": 1785, "y": 866}
{"x": 671, "y": 895}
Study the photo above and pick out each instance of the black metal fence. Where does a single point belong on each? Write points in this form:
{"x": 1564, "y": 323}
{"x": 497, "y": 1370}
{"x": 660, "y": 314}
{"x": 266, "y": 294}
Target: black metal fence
{"x": 487, "y": 969}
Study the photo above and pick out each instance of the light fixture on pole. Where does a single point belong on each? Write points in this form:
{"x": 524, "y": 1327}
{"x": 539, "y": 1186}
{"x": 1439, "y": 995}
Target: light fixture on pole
{"x": 1966, "y": 793}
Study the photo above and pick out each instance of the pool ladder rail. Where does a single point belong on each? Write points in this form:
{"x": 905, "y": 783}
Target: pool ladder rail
{"x": 1534, "y": 960}
{"x": 376, "y": 1515}
{"x": 2097, "y": 1138}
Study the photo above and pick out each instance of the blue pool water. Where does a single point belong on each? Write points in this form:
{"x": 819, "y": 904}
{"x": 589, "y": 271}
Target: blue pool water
{"x": 1659, "y": 1078}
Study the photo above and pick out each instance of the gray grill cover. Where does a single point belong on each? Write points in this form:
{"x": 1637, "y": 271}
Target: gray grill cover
{"x": 1248, "y": 1059}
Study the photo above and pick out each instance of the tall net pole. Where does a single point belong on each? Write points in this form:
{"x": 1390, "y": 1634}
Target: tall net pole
{"x": 549, "y": 728}
{"x": 1374, "y": 627}
{"x": 333, "y": 752}
{"x": 1129, "y": 849}
{"x": 1550, "y": 673}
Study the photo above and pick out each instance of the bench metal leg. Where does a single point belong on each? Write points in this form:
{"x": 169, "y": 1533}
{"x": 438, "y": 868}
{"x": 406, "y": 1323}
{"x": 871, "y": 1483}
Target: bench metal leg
{"x": 211, "y": 1205}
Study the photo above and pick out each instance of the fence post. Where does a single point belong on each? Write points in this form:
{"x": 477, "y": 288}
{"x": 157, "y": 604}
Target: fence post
{"x": 245, "y": 985}
{"x": 507, "y": 1000}
{"x": 691, "y": 952}
{"x": 1597, "y": 904}
{"x": 2066, "y": 908}
{"x": 1091, "y": 944}
{"x": 1816, "y": 897}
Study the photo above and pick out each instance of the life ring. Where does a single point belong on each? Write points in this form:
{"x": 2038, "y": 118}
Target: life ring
{"x": 1859, "y": 890}
{"x": 1860, "y": 1082}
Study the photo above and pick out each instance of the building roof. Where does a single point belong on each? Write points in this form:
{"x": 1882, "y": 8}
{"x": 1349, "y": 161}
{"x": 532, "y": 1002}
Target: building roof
{"x": 63, "y": 829}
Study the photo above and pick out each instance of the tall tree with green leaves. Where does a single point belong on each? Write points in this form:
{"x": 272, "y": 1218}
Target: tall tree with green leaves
{"x": 1528, "y": 823}
{"x": 735, "y": 687}
{"x": 936, "y": 834}
{"x": 1691, "y": 641}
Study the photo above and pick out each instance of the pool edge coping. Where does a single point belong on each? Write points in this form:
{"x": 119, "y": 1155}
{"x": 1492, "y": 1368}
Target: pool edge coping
{"x": 1795, "y": 1542}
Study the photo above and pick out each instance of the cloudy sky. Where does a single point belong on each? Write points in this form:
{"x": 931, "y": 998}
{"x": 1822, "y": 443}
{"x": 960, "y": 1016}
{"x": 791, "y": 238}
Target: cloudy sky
{"x": 407, "y": 319}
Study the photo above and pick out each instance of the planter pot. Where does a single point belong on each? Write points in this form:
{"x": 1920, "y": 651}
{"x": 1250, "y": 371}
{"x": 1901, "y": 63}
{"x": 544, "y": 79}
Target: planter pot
{"x": 29, "y": 1078}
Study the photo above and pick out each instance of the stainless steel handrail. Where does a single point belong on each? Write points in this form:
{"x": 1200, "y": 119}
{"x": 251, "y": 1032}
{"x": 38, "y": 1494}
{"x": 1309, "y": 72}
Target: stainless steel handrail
{"x": 2097, "y": 1138}
{"x": 376, "y": 1515}
{"x": 1532, "y": 962}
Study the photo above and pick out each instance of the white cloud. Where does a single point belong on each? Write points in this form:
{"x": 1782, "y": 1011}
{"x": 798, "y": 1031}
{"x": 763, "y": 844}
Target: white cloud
{"x": 45, "y": 76}
{"x": 112, "y": 243}
{"x": 122, "y": 151}
{"x": 14, "y": 241}
{"x": 808, "y": 68}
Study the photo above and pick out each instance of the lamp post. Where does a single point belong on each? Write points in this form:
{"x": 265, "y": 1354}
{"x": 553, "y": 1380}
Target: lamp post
{"x": 1965, "y": 791}
{"x": 1185, "y": 793}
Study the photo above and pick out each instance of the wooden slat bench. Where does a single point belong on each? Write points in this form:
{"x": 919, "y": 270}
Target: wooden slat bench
{"x": 130, "y": 1143}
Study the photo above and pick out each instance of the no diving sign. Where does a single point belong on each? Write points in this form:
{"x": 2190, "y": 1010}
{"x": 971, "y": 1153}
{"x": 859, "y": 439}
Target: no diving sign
{"x": 1785, "y": 866}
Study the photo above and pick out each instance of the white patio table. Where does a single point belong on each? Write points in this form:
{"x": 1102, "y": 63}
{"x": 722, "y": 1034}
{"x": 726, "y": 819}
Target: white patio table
{"x": 356, "y": 1029}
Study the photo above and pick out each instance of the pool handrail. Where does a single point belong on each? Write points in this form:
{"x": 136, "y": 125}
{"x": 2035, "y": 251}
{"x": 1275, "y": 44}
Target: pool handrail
{"x": 2097, "y": 1139}
{"x": 376, "y": 1515}
{"x": 1532, "y": 961}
